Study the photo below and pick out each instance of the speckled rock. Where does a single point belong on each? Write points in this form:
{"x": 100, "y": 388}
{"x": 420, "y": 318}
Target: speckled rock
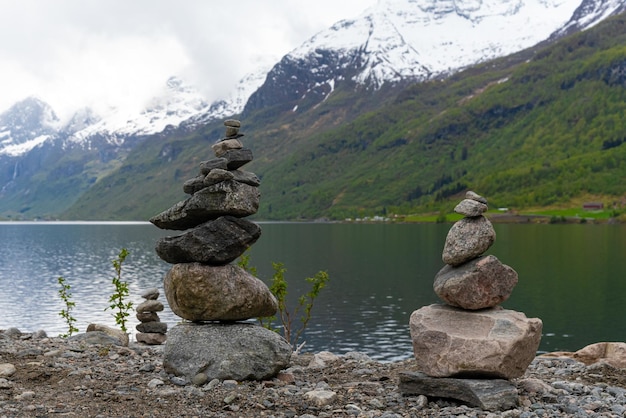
{"x": 452, "y": 342}
{"x": 199, "y": 292}
{"x": 483, "y": 282}
{"x": 235, "y": 351}
{"x": 467, "y": 239}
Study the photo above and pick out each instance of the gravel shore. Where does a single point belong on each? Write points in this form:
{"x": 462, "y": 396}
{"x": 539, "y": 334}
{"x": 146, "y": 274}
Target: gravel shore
{"x": 43, "y": 376}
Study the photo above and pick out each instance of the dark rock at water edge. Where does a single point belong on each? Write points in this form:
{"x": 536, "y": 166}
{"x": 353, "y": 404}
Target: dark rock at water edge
{"x": 215, "y": 242}
{"x": 226, "y": 198}
{"x": 234, "y": 351}
{"x": 487, "y": 394}
{"x": 152, "y": 327}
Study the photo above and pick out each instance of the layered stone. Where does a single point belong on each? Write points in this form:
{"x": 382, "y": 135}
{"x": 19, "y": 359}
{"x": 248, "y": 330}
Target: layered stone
{"x": 113, "y": 333}
{"x": 207, "y": 166}
{"x": 237, "y": 157}
{"x": 483, "y": 282}
{"x": 215, "y": 242}
{"x": 151, "y": 338}
{"x": 200, "y": 292}
{"x": 220, "y": 148}
{"x": 237, "y": 351}
{"x": 152, "y": 327}
{"x": 470, "y": 208}
{"x": 491, "y": 343}
{"x": 467, "y": 239}
{"x": 217, "y": 175}
{"x": 228, "y": 197}
{"x": 486, "y": 394}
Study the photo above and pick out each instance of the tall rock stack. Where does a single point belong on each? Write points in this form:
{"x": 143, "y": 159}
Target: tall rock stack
{"x": 204, "y": 287}
{"x": 470, "y": 344}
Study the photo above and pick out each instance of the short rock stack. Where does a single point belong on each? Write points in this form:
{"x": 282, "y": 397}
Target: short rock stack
{"x": 204, "y": 287}
{"x": 468, "y": 348}
{"x": 151, "y": 330}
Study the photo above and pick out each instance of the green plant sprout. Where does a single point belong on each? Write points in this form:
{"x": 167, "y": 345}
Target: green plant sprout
{"x": 117, "y": 299}
{"x": 279, "y": 290}
{"x": 66, "y": 296}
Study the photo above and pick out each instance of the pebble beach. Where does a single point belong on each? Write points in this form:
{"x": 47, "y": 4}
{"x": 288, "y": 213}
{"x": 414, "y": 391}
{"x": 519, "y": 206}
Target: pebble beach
{"x": 44, "y": 376}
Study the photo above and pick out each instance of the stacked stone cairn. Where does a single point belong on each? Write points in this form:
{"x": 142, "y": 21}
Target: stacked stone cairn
{"x": 151, "y": 330}
{"x": 470, "y": 347}
{"x": 204, "y": 287}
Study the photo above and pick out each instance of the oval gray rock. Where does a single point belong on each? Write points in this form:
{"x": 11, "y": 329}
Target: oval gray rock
{"x": 234, "y": 351}
{"x": 483, "y": 282}
{"x": 199, "y": 292}
{"x": 467, "y": 239}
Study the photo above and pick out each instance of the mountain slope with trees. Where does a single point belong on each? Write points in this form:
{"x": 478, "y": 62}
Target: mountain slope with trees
{"x": 541, "y": 127}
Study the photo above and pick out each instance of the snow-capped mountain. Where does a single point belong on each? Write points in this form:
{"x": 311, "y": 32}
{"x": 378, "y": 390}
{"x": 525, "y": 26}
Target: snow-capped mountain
{"x": 176, "y": 103}
{"x": 396, "y": 41}
{"x": 25, "y": 125}
{"x": 400, "y": 40}
{"x": 32, "y": 122}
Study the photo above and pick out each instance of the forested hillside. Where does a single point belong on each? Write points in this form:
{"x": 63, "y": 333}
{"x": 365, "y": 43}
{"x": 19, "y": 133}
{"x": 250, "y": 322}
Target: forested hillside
{"x": 543, "y": 127}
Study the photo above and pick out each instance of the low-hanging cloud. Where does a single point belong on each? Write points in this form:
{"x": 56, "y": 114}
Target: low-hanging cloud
{"x": 116, "y": 53}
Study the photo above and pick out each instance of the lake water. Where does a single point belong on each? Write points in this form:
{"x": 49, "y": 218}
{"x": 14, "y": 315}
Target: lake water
{"x": 573, "y": 277}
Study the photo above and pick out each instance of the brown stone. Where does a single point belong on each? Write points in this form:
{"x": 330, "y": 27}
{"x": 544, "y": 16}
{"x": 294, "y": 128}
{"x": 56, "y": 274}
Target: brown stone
{"x": 483, "y": 282}
{"x": 148, "y": 317}
{"x": 221, "y": 147}
{"x": 611, "y": 353}
{"x": 494, "y": 343}
{"x": 199, "y": 292}
{"x": 149, "y": 306}
{"x": 150, "y": 338}
{"x": 111, "y": 332}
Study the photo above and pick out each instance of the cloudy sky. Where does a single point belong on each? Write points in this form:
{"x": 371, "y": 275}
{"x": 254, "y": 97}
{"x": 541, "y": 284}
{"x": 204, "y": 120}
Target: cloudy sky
{"x": 102, "y": 53}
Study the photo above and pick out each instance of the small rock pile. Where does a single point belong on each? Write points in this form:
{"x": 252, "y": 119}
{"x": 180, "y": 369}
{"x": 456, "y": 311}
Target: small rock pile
{"x": 470, "y": 347}
{"x": 204, "y": 287}
{"x": 151, "y": 330}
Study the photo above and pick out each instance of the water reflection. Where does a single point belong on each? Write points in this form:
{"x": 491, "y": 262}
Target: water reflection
{"x": 569, "y": 276}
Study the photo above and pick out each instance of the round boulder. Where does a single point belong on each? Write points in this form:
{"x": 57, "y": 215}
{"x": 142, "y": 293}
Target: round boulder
{"x": 200, "y": 292}
{"x": 467, "y": 239}
{"x": 237, "y": 351}
{"x": 490, "y": 343}
{"x": 483, "y": 282}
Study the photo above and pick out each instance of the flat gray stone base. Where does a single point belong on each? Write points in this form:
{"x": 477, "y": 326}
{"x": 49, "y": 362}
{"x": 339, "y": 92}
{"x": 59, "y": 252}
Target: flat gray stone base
{"x": 487, "y": 394}
{"x": 237, "y": 351}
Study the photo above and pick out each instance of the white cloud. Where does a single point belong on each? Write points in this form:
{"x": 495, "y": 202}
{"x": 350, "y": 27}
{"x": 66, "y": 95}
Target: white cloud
{"x": 75, "y": 53}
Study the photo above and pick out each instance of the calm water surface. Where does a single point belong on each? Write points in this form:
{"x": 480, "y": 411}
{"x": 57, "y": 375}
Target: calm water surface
{"x": 573, "y": 277}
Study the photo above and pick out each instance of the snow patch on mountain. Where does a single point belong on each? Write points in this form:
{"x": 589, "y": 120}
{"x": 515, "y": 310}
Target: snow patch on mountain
{"x": 399, "y": 39}
{"x": 26, "y": 125}
{"x": 174, "y": 104}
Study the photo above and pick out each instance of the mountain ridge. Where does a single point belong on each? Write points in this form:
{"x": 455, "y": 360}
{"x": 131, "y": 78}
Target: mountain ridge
{"x": 320, "y": 87}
